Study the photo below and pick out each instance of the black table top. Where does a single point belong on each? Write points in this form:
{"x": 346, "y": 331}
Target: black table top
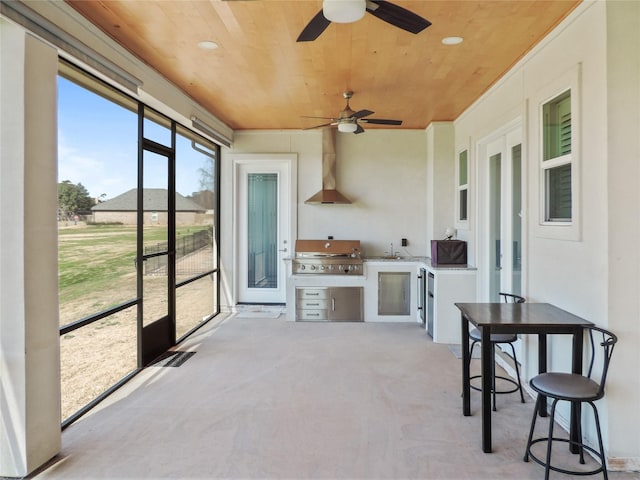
{"x": 520, "y": 314}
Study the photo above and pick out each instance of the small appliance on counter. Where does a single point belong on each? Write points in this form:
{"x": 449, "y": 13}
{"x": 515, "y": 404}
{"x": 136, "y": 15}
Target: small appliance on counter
{"x": 448, "y": 252}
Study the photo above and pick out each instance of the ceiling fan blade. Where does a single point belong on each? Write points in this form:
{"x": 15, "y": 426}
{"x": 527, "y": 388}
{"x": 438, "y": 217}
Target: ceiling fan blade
{"x": 326, "y": 118}
{"x": 382, "y": 121}
{"x": 314, "y": 28}
{"x": 362, "y": 113}
{"x": 359, "y": 130}
{"x": 397, "y": 16}
{"x": 323, "y": 125}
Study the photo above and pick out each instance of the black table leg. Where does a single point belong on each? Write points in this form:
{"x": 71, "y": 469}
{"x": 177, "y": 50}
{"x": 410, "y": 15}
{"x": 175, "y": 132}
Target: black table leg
{"x": 542, "y": 368}
{"x": 486, "y": 388}
{"x": 464, "y": 346}
{"x": 576, "y": 367}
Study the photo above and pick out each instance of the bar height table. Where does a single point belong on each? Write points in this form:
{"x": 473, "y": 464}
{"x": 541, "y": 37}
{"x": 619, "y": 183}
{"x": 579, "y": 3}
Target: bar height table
{"x": 531, "y": 318}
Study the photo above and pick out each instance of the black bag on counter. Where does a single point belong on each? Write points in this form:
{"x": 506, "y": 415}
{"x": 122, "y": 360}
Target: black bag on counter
{"x": 448, "y": 252}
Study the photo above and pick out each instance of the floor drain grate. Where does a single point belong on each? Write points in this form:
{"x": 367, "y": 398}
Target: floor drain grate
{"x": 172, "y": 359}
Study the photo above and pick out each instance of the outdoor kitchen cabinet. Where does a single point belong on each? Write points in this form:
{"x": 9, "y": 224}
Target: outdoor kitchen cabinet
{"x": 394, "y": 293}
{"x": 446, "y": 287}
{"x": 391, "y": 290}
{"x": 329, "y": 304}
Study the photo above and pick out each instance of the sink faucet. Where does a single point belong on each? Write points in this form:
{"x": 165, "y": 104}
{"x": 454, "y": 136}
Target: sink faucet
{"x": 391, "y": 249}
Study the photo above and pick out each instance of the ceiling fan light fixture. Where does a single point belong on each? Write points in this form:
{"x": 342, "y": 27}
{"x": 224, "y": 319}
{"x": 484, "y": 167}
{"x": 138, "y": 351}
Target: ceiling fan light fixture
{"x": 347, "y": 127}
{"x": 344, "y": 11}
{"x": 452, "y": 40}
{"x": 208, "y": 45}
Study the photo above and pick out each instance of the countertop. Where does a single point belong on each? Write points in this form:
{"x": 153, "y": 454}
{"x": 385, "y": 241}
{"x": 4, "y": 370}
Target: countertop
{"x": 405, "y": 259}
{"x": 424, "y": 260}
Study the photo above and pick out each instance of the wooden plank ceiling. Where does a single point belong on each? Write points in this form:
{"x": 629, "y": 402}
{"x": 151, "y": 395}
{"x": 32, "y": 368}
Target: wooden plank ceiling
{"x": 261, "y": 78}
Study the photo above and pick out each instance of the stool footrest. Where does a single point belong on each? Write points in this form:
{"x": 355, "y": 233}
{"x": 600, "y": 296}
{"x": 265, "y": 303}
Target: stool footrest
{"x": 506, "y": 379}
{"x": 529, "y": 453}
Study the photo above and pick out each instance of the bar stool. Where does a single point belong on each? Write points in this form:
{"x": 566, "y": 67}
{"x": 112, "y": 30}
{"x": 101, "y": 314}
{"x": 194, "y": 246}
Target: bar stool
{"x": 496, "y": 339}
{"x": 576, "y": 389}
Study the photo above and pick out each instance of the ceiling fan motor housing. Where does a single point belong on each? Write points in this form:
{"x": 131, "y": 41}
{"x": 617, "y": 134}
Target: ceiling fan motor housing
{"x": 344, "y": 11}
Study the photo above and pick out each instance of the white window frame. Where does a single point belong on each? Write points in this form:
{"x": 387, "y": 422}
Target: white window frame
{"x": 462, "y": 187}
{"x": 549, "y": 164}
{"x": 558, "y": 229}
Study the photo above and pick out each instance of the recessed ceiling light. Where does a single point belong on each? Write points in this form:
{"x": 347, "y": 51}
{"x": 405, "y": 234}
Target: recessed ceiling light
{"x": 208, "y": 45}
{"x": 452, "y": 40}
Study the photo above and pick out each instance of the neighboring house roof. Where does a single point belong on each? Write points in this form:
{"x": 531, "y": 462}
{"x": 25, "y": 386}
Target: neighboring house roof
{"x": 155, "y": 199}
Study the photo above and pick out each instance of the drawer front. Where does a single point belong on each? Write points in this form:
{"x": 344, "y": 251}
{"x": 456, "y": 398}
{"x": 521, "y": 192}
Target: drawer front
{"x": 312, "y": 315}
{"x": 312, "y": 293}
{"x": 312, "y": 304}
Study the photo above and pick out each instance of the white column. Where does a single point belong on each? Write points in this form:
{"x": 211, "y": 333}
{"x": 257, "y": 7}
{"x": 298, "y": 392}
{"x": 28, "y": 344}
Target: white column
{"x": 621, "y": 422}
{"x": 29, "y": 341}
{"x": 441, "y": 181}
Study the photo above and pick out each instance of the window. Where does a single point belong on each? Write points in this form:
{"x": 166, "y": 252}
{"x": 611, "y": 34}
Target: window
{"x": 555, "y": 127}
{"x": 463, "y": 186}
{"x": 105, "y": 226}
{"x": 557, "y": 158}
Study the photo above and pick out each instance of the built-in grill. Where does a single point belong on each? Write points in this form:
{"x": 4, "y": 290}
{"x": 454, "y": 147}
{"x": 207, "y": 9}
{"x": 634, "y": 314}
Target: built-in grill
{"x": 334, "y": 257}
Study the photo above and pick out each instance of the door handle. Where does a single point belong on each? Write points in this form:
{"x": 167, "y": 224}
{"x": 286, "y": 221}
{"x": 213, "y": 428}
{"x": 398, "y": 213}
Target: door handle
{"x": 283, "y": 250}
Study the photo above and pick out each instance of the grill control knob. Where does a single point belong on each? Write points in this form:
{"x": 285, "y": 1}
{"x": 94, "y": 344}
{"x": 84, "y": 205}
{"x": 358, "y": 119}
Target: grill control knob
{"x": 321, "y": 267}
{"x": 313, "y": 267}
{"x": 302, "y": 267}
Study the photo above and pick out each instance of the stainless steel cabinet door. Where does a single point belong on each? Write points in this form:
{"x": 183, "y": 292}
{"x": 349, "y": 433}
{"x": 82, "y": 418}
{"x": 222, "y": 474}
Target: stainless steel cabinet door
{"x": 394, "y": 293}
{"x": 346, "y": 304}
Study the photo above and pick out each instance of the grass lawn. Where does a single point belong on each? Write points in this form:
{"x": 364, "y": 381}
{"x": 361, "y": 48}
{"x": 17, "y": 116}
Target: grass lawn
{"x": 96, "y": 265}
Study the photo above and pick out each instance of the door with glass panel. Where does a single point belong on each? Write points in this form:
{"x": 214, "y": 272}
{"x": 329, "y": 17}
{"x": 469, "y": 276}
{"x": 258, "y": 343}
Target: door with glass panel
{"x": 504, "y": 215}
{"x": 156, "y": 224}
{"x": 263, "y": 212}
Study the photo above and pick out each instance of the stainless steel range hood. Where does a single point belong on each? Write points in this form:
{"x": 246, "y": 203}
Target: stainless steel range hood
{"x": 328, "y": 194}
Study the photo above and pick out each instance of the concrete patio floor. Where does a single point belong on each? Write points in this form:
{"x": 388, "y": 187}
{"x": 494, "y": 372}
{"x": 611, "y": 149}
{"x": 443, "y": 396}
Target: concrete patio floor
{"x": 267, "y": 398}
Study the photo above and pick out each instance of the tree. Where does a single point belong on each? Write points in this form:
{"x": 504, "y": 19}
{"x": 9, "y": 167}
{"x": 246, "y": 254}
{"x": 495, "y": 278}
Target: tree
{"x": 72, "y": 199}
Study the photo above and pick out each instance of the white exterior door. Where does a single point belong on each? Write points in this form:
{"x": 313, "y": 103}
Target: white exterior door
{"x": 501, "y": 215}
{"x": 265, "y": 206}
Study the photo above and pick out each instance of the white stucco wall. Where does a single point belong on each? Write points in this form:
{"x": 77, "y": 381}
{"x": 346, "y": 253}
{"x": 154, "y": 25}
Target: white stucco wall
{"x": 575, "y": 270}
{"x": 440, "y": 191}
{"x": 383, "y": 173}
{"x": 369, "y": 169}
{"x": 29, "y": 341}
{"x": 623, "y": 182}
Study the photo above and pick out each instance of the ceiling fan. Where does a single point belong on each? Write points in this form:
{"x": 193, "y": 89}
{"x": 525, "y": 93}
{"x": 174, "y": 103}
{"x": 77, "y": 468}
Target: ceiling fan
{"x": 346, "y": 11}
{"x": 349, "y": 121}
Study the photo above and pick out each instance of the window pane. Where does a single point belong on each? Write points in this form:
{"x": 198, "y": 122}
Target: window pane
{"x": 516, "y": 218}
{"x": 463, "y": 204}
{"x": 95, "y": 357}
{"x": 156, "y": 127}
{"x": 263, "y": 231}
{"x": 195, "y": 186}
{"x": 194, "y": 304}
{"x": 196, "y": 164}
{"x": 97, "y": 167}
{"x": 558, "y": 187}
{"x": 557, "y": 126}
{"x": 155, "y": 204}
{"x": 462, "y": 168}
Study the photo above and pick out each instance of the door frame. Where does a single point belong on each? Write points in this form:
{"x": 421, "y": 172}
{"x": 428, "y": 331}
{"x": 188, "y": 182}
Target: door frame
{"x": 499, "y": 140}
{"x": 287, "y": 209}
{"x": 159, "y": 335}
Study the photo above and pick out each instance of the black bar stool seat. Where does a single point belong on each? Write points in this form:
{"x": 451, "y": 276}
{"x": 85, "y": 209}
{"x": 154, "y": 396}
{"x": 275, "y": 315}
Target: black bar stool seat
{"x": 499, "y": 338}
{"x": 576, "y": 389}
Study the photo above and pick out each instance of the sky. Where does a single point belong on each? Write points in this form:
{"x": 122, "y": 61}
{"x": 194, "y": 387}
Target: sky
{"x": 97, "y": 147}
